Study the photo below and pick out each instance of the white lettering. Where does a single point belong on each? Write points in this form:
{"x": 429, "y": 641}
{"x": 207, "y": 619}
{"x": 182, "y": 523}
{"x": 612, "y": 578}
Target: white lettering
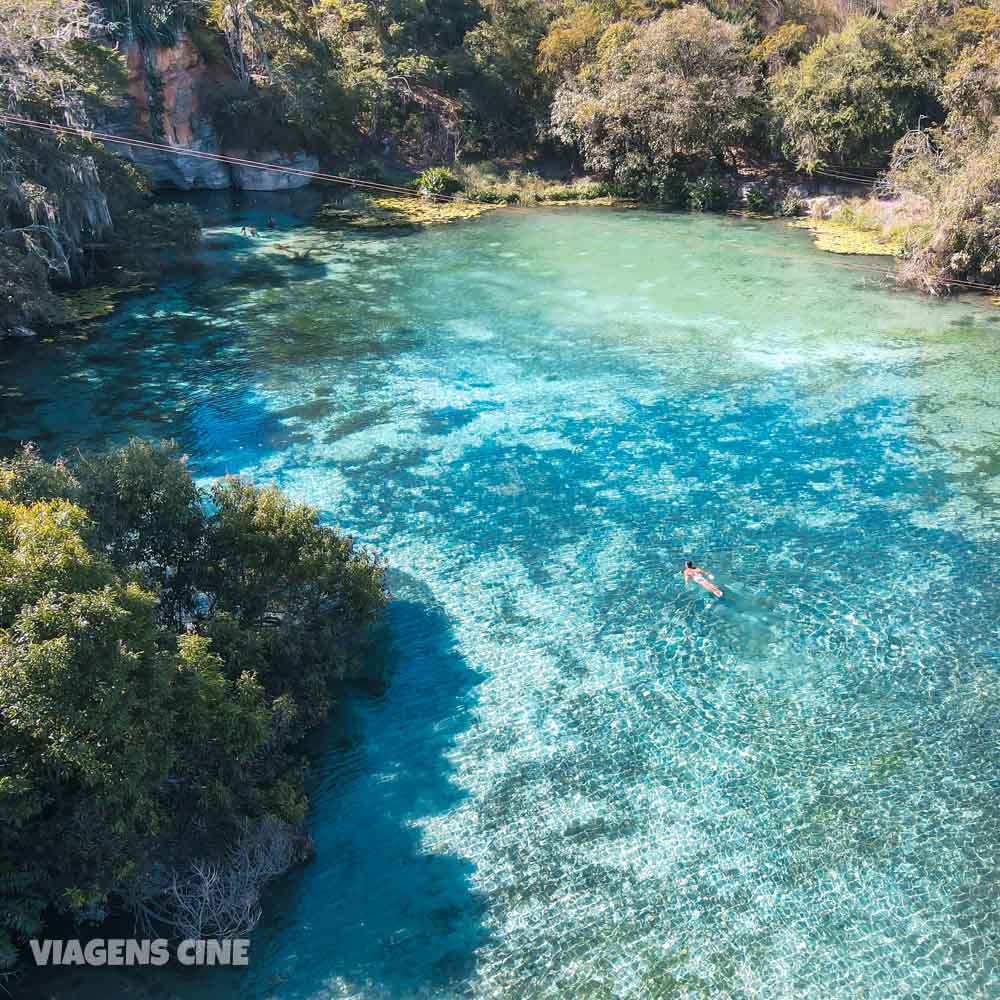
{"x": 94, "y": 952}
{"x": 72, "y": 953}
{"x": 217, "y": 952}
{"x": 187, "y": 952}
{"x": 159, "y": 952}
{"x": 41, "y": 950}
{"x": 131, "y": 951}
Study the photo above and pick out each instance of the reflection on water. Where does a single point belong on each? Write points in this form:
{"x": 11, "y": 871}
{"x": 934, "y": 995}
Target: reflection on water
{"x": 582, "y": 779}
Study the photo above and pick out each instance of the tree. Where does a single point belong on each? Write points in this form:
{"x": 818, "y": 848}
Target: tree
{"x": 955, "y": 172}
{"x": 147, "y": 512}
{"x": 504, "y": 85}
{"x": 972, "y": 88}
{"x": 783, "y": 47}
{"x": 289, "y": 595}
{"x": 854, "y": 94}
{"x": 83, "y": 699}
{"x": 59, "y": 193}
{"x": 684, "y": 84}
{"x": 571, "y": 41}
{"x": 290, "y": 75}
{"x": 50, "y": 67}
{"x": 268, "y": 555}
{"x": 146, "y": 726}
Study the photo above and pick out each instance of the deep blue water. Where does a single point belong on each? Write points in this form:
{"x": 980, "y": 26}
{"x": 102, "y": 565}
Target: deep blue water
{"x": 581, "y": 779}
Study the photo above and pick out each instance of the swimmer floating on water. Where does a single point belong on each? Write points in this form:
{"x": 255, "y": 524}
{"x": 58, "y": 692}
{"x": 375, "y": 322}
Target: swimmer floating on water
{"x": 700, "y": 577}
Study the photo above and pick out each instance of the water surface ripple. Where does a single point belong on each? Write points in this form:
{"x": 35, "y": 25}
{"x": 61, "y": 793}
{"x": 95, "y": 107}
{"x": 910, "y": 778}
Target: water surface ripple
{"x": 581, "y": 780}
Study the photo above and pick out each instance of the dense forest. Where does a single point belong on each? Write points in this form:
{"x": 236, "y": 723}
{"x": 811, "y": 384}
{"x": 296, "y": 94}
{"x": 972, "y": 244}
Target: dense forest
{"x": 656, "y": 100}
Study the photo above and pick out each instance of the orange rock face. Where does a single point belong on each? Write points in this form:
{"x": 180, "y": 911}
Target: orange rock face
{"x": 172, "y": 89}
{"x": 180, "y": 72}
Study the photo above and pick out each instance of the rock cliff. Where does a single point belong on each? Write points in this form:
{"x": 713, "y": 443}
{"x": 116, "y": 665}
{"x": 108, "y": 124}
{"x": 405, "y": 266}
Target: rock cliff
{"x": 170, "y": 92}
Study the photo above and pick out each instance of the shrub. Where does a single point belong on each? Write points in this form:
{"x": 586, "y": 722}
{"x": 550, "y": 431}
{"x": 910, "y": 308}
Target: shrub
{"x": 157, "y": 227}
{"x": 709, "y": 194}
{"x": 586, "y": 191}
{"x": 672, "y": 190}
{"x": 962, "y": 238}
{"x": 438, "y": 180}
{"x": 783, "y": 47}
{"x": 666, "y": 186}
{"x": 492, "y": 196}
{"x": 793, "y": 203}
{"x": 759, "y": 201}
{"x": 25, "y": 296}
{"x": 972, "y": 87}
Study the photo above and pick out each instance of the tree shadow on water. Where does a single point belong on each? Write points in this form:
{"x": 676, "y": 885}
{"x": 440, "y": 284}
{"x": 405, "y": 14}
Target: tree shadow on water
{"x": 384, "y": 910}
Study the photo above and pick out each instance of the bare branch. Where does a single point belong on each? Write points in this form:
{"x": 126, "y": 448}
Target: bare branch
{"x": 215, "y": 898}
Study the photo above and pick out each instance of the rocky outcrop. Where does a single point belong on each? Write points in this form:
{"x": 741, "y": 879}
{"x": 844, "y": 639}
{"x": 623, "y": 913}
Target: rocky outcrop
{"x": 255, "y": 179}
{"x": 167, "y": 88}
{"x": 171, "y": 91}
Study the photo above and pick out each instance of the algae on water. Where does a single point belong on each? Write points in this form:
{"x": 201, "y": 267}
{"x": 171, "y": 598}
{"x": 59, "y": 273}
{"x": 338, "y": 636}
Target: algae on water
{"x": 835, "y": 236}
{"x": 397, "y": 212}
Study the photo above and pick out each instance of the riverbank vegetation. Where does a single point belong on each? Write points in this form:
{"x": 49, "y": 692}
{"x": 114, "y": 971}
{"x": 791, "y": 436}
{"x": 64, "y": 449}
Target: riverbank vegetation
{"x": 454, "y": 194}
{"x": 70, "y": 209}
{"x": 685, "y": 105}
{"x": 162, "y": 650}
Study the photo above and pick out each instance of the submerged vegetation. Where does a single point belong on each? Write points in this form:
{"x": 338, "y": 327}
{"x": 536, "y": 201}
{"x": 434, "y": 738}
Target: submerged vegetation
{"x": 162, "y": 650}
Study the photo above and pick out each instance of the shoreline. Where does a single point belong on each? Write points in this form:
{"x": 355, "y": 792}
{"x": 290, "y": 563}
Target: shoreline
{"x": 384, "y": 214}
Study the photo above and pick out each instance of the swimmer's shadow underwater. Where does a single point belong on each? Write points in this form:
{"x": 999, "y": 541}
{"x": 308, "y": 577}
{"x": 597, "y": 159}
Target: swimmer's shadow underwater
{"x": 755, "y": 621}
{"x": 752, "y": 619}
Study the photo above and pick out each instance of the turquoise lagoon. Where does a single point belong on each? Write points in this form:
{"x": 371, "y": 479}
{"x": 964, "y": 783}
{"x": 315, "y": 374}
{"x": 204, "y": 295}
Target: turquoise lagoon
{"x": 579, "y": 779}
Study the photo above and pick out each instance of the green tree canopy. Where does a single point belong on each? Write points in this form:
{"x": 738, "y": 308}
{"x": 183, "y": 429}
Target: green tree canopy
{"x": 854, "y": 94}
{"x": 160, "y": 652}
{"x": 682, "y": 84}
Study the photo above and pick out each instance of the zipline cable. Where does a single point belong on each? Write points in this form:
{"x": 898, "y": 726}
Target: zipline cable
{"x": 20, "y": 121}
{"x": 842, "y": 175}
{"x": 7, "y": 118}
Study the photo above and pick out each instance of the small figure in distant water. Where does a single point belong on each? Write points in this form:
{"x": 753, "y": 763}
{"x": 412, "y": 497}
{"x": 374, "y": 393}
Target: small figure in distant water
{"x": 253, "y": 231}
{"x": 243, "y": 231}
{"x": 700, "y": 577}
{"x": 270, "y": 222}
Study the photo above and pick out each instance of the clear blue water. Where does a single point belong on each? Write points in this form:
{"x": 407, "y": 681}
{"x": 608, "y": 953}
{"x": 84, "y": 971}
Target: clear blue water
{"x": 580, "y": 779}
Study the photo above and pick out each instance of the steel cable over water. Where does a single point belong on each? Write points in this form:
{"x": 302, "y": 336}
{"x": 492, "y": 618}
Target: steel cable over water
{"x": 20, "y": 121}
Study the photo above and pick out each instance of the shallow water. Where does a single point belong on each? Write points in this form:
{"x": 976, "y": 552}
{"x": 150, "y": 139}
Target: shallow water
{"x": 583, "y": 780}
